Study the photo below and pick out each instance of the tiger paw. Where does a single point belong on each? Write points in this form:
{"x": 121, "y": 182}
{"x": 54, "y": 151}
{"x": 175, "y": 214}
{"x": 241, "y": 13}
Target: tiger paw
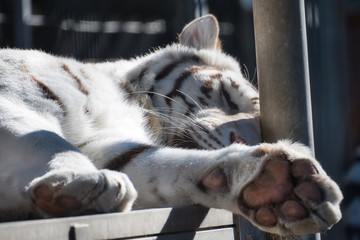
{"x": 290, "y": 194}
{"x": 66, "y": 193}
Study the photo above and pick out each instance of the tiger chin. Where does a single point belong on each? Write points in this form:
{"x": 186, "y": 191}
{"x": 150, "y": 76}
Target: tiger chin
{"x": 179, "y": 126}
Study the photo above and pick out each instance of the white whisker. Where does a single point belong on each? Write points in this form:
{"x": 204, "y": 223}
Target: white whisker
{"x": 190, "y": 98}
{"x": 175, "y": 122}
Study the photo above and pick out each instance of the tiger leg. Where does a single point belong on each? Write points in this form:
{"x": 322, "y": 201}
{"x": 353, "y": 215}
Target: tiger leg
{"x": 41, "y": 172}
{"x": 279, "y": 187}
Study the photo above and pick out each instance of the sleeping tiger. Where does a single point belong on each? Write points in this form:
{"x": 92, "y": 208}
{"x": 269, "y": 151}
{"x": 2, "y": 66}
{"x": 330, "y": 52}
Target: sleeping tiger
{"x": 179, "y": 126}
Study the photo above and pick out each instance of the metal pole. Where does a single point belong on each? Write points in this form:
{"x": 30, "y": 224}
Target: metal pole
{"x": 283, "y": 74}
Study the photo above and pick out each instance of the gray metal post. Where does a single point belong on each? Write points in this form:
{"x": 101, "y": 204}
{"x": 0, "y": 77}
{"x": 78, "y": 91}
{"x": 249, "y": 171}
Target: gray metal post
{"x": 282, "y": 63}
{"x": 22, "y": 10}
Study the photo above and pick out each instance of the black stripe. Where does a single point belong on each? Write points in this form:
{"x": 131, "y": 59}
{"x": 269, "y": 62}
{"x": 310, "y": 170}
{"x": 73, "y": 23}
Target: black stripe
{"x": 81, "y": 145}
{"x": 202, "y": 101}
{"x": 208, "y": 84}
{"x": 190, "y": 105}
{"x": 177, "y": 85}
{"x": 231, "y": 104}
{"x": 218, "y": 131}
{"x": 127, "y": 89}
{"x": 201, "y": 186}
{"x": 184, "y": 141}
{"x": 77, "y": 79}
{"x": 206, "y": 91}
{"x": 178, "y": 82}
{"x": 212, "y": 137}
{"x": 170, "y": 67}
{"x": 123, "y": 159}
{"x": 151, "y": 92}
{"x": 200, "y": 138}
{"x": 175, "y": 93}
{"x": 45, "y": 89}
{"x": 207, "y": 87}
{"x": 140, "y": 77}
{"x": 187, "y": 113}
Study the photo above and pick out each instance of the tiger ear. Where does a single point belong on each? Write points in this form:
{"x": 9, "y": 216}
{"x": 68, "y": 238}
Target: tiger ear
{"x": 201, "y": 33}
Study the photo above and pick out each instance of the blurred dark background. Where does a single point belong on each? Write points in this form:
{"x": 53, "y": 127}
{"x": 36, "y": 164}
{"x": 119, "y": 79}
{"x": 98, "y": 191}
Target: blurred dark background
{"x": 94, "y": 30}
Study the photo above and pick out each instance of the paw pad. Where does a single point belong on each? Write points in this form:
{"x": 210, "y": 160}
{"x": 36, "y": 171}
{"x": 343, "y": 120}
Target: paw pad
{"x": 55, "y": 206}
{"x": 66, "y": 193}
{"x": 282, "y": 190}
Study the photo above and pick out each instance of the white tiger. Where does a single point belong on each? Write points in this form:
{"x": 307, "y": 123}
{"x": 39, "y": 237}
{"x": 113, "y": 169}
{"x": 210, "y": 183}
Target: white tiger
{"x": 80, "y": 138}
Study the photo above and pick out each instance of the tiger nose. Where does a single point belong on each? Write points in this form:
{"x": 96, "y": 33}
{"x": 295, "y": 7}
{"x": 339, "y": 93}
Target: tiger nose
{"x": 234, "y": 138}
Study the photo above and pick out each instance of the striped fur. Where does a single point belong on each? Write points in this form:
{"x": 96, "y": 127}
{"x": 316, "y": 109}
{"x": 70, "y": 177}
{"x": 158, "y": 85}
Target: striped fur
{"x": 180, "y": 125}
{"x": 120, "y": 162}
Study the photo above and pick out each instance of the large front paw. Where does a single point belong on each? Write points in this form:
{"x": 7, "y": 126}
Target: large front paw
{"x": 68, "y": 193}
{"x": 290, "y": 194}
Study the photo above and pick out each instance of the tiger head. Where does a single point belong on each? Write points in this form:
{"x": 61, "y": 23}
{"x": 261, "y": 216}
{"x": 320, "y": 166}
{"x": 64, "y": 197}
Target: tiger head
{"x": 199, "y": 93}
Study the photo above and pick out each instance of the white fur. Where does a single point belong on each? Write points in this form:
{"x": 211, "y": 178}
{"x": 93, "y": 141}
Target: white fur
{"x": 63, "y": 121}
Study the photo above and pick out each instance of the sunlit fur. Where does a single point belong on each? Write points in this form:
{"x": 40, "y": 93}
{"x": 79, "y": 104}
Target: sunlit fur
{"x": 176, "y": 127}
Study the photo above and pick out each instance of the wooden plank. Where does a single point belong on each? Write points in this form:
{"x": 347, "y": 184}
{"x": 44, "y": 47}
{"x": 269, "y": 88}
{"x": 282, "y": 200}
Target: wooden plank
{"x": 213, "y": 234}
{"x": 119, "y": 225}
